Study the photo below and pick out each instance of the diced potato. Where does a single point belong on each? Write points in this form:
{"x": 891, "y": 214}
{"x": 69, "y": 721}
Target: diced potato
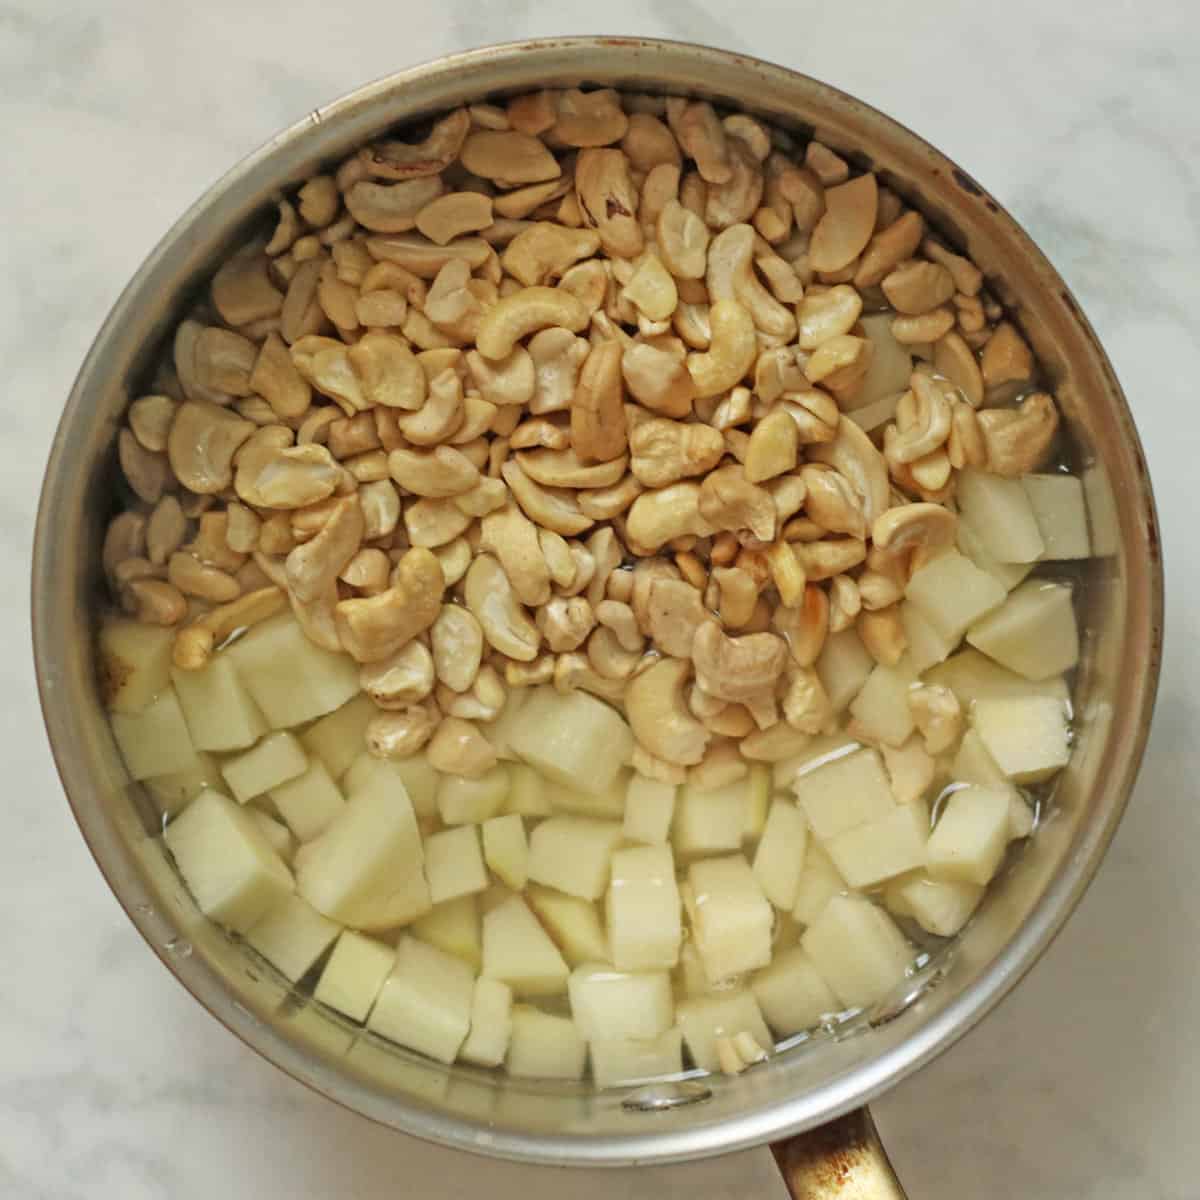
{"x": 291, "y": 936}
{"x": 1033, "y": 632}
{"x": 843, "y": 666}
{"x": 172, "y": 792}
{"x": 1008, "y": 575}
{"x": 425, "y": 1003}
{"x": 819, "y": 751}
{"x": 338, "y": 738}
{"x": 879, "y": 412}
{"x": 134, "y": 663}
{"x": 690, "y": 976}
{"x": 731, "y": 918}
{"x": 709, "y": 822}
{"x": 926, "y": 647}
{"x": 780, "y": 855}
{"x": 618, "y": 1061}
{"x": 1103, "y": 517}
{"x": 881, "y": 707}
{"x": 969, "y": 840}
{"x": 891, "y": 362}
{"x": 940, "y": 906}
{"x": 500, "y": 731}
{"x": 463, "y": 801}
{"x": 1020, "y": 817}
{"x": 649, "y": 806}
{"x": 572, "y": 854}
{"x": 277, "y": 833}
{"x": 973, "y": 676}
{"x": 857, "y": 949}
{"x": 454, "y": 863}
{"x": 495, "y": 896}
{"x": 618, "y": 1004}
{"x": 276, "y": 759}
{"x": 519, "y": 952}
{"x": 292, "y": 679}
{"x": 973, "y": 763}
{"x": 526, "y": 792}
{"x": 491, "y": 1024}
{"x": 868, "y": 854}
{"x": 574, "y": 924}
{"x": 418, "y": 779}
{"x": 819, "y": 880}
{"x": 365, "y": 870}
{"x": 506, "y": 849}
{"x": 644, "y": 921}
{"x": 607, "y": 803}
{"x": 1027, "y": 736}
{"x": 1061, "y": 517}
{"x": 234, "y": 875}
{"x": 543, "y": 1046}
{"x": 758, "y": 798}
{"x": 911, "y": 770}
{"x": 309, "y": 802}
{"x": 703, "y": 1019}
{"x": 219, "y": 710}
{"x": 156, "y": 740}
{"x": 792, "y": 994}
{"x": 354, "y": 974}
{"x": 453, "y": 926}
{"x": 1000, "y": 515}
{"x": 574, "y": 739}
{"x": 843, "y": 792}
{"x": 952, "y": 593}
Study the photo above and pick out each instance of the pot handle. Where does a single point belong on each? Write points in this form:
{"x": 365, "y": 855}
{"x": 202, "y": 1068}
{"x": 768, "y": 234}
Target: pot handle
{"x": 843, "y": 1160}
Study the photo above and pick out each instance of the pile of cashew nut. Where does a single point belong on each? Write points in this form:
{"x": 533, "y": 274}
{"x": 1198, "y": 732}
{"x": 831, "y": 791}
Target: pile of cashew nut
{"x": 566, "y": 392}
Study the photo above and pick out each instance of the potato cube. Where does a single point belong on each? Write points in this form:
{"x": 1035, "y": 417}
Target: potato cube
{"x": 543, "y": 1046}
{"x": 234, "y": 875}
{"x": 453, "y": 926}
{"x": 608, "y": 803}
{"x": 843, "y": 666}
{"x": 690, "y": 977}
{"x": 414, "y": 774}
{"x": 574, "y": 739}
{"x": 519, "y": 952}
{"x": 1103, "y": 517}
{"x": 1007, "y": 575}
{"x": 891, "y": 363}
{"x": 454, "y": 864}
{"x": 973, "y": 763}
{"x": 731, "y": 919}
{"x": 291, "y": 679}
{"x": 572, "y": 854}
{"x": 709, "y": 822}
{"x": 277, "y": 833}
{"x": 758, "y": 800}
{"x": 843, "y": 792}
{"x": 491, "y": 1024}
{"x": 880, "y": 709}
{"x": 644, "y": 921}
{"x": 291, "y": 936}
{"x": 1020, "y": 817}
{"x": 425, "y": 1003}
{"x": 506, "y": 849}
{"x": 156, "y": 740}
{"x": 1000, "y": 515}
{"x": 354, "y": 974}
{"x": 1033, "y": 632}
{"x": 857, "y": 950}
{"x": 868, "y": 854}
{"x": 134, "y": 663}
{"x": 819, "y": 880}
{"x": 365, "y": 869}
{"x": 649, "y": 807}
{"x": 780, "y": 855}
{"x": 969, "y": 839}
{"x": 500, "y": 731}
{"x": 819, "y": 750}
{"x": 1061, "y": 517}
{"x": 220, "y": 712}
{"x": 703, "y": 1019}
{"x": 926, "y": 647}
{"x": 619, "y": 1004}
{"x": 792, "y": 994}
{"x": 617, "y": 1061}
{"x": 1027, "y": 736}
{"x": 527, "y": 792}
{"x": 572, "y": 923}
{"x": 940, "y": 906}
{"x": 309, "y": 802}
{"x": 276, "y": 759}
{"x": 952, "y": 593}
{"x": 973, "y": 676}
{"x": 171, "y": 792}
{"x": 463, "y": 801}
{"x": 340, "y": 737}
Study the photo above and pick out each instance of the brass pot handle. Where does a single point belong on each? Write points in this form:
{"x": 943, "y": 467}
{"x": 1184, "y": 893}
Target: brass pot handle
{"x": 843, "y": 1160}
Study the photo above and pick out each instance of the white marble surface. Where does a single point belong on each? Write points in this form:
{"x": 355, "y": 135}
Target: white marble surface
{"x": 1082, "y": 119}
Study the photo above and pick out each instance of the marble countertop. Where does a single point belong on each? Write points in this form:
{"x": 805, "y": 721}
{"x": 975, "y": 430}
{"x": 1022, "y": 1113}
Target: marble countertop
{"x": 1082, "y": 119}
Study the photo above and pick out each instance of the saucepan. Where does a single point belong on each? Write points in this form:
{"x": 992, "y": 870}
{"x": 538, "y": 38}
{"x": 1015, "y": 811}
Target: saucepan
{"x": 792, "y": 1100}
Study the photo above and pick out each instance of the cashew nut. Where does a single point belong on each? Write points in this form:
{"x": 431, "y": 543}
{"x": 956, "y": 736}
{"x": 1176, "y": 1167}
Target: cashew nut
{"x": 848, "y": 222}
{"x": 731, "y": 351}
{"x": 401, "y": 680}
{"x": 665, "y": 451}
{"x": 737, "y": 668}
{"x": 515, "y": 316}
{"x": 659, "y": 717}
{"x": 491, "y": 600}
{"x": 372, "y": 628}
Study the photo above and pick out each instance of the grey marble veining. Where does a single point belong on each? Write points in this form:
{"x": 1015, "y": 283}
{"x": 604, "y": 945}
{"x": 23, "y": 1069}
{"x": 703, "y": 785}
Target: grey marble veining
{"x": 115, "y": 114}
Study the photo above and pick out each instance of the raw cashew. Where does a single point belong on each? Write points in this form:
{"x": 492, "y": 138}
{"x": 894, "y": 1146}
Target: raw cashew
{"x": 545, "y": 251}
{"x": 608, "y": 201}
{"x": 731, "y": 352}
{"x": 597, "y": 422}
{"x": 524, "y": 312}
{"x": 659, "y": 716}
{"x": 844, "y": 230}
{"x": 372, "y": 628}
{"x": 456, "y": 639}
{"x": 492, "y": 602}
{"x": 406, "y": 160}
{"x": 737, "y": 668}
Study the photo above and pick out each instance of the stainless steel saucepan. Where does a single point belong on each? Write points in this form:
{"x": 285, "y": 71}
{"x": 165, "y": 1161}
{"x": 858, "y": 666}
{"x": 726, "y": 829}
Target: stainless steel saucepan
{"x": 801, "y": 1089}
